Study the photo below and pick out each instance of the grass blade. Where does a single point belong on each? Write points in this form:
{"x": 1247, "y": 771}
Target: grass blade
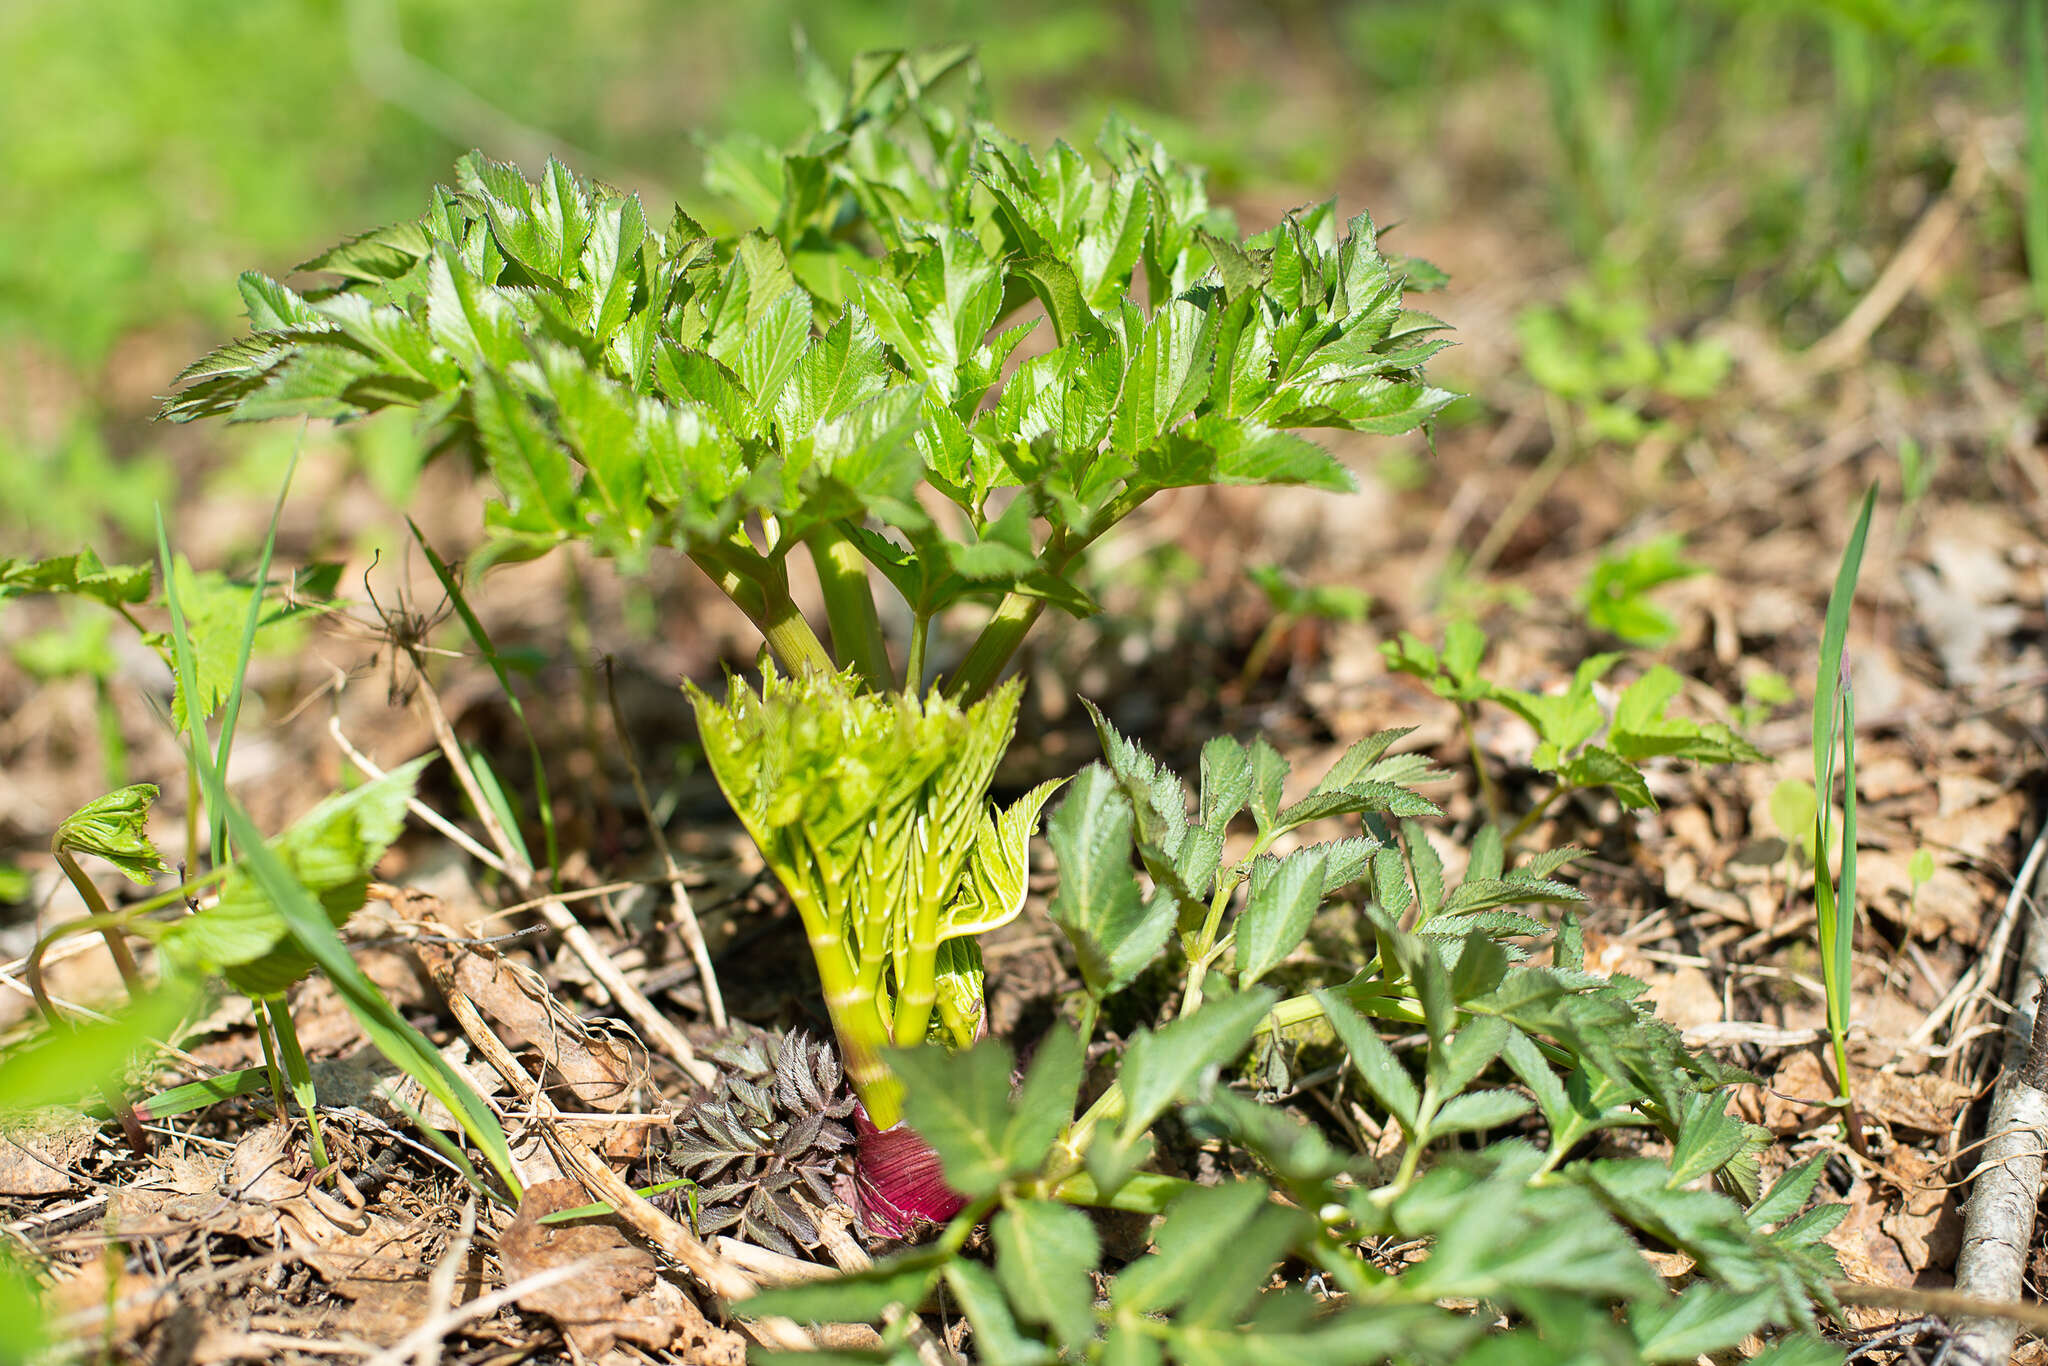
{"x": 2034, "y": 51}
{"x": 1834, "y": 726}
{"x": 197, "y": 1095}
{"x": 231, "y": 711}
{"x": 393, "y": 1037}
{"x": 491, "y": 657}
{"x": 299, "y": 1073}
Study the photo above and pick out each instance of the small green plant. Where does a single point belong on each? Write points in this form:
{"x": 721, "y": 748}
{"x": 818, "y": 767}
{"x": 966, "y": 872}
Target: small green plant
{"x": 1635, "y": 730}
{"x": 1596, "y": 351}
{"x": 1616, "y": 595}
{"x": 2034, "y": 65}
{"x": 270, "y": 915}
{"x": 1919, "y": 872}
{"x": 1534, "y": 1057}
{"x": 1834, "y": 733}
{"x": 1763, "y": 692}
{"x": 643, "y": 388}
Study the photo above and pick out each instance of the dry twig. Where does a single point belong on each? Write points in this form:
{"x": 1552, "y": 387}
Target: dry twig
{"x": 686, "y": 914}
{"x": 1998, "y": 1223}
{"x": 711, "y": 1271}
{"x": 655, "y": 1026}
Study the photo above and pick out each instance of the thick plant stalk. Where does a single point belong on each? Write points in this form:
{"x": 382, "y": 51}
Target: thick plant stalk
{"x": 850, "y": 606}
{"x": 767, "y": 603}
{"x": 1998, "y": 1223}
{"x": 872, "y": 811}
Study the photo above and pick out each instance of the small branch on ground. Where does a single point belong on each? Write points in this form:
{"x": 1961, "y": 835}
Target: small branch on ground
{"x": 712, "y": 1272}
{"x": 1998, "y": 1223}
{"x": 686, "y": 914}
{"x": 659, "y": 1032}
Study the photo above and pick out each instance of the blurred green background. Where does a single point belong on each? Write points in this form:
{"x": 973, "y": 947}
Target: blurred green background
{"x": 1656, "y": 162}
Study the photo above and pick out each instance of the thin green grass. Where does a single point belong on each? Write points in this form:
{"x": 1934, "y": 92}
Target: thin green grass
{"x": 2034, "y": 53}
{"x": 387, "y": 1030}
{"x": 231, "y": 710}
{"x": 1834, "y": 727}
{"x": 541, "y": 799}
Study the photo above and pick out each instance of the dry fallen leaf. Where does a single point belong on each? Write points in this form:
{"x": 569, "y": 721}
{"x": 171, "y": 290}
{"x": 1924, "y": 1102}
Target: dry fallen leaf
{"x": 617, "y": 1296}
{"x": 600, "y": 1070}
{"x": 42, "y": 1162}
{"x": 1928, "y": 1222}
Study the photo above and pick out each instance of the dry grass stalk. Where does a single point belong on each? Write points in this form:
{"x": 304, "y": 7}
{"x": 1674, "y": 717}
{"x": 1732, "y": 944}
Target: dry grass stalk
{"x": 714, "y": 1273}
{"x": 686, "y": 914}
{"x": 656, "y": 1027}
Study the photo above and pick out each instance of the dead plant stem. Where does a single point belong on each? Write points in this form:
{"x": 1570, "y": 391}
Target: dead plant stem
{"x": 679, "y": 895}
{"x": 659, "y": 1031}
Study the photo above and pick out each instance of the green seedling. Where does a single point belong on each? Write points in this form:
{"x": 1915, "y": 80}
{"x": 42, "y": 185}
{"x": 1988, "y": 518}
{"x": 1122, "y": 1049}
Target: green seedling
{"x": 1763, "y": 692}
{"x": 1536, "y": 1226}
{"x": 83, "y": 649}
{"x": 1616, "y": 595}
{"x": 1596, "y": 352}
{"x": 1834, "y": 732}
{"x": 1919, "y": 872}
{"x": 1568, "y": 723}
{"x": 286, "y": 904}
{"x": 840, "y": 386}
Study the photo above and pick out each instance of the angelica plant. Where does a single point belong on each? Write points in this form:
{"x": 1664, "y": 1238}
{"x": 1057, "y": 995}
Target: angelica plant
{"x": 843, "y": 384}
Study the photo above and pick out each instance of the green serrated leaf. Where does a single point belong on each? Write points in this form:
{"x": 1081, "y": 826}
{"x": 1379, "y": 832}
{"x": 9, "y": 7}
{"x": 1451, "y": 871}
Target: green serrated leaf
{"x": 1045, "y": 1103}
{"x": 1045, "y": 1253}
{"x": 1114, "y": 930}
{"x": 1478, "y": 1111}
{"x": 982, "y": 1298}
{"x": 1164, "y": 1065}
{"x": 992, "y": 892}
{"x": 960, "y": 1104}
{"x": 328, "y": 853}
{"x": 115, "y": 827}
{"x": 1283, "y": 900}
{"x": 1226, "y": 781}
{"x": 1374, "y": 1062}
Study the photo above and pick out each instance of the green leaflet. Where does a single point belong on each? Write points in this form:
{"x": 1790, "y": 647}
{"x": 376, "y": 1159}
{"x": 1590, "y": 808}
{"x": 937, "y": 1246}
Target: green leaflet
{"x": 992, "y": 893}
{"x": 81, "y": 573}
{"x": 329, "y": 851}
{"x": 115, "y": 827}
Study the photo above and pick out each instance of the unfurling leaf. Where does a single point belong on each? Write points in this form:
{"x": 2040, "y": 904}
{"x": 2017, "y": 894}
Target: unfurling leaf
{"x": 992, "y": 890}
{"x": 115, "y": 827}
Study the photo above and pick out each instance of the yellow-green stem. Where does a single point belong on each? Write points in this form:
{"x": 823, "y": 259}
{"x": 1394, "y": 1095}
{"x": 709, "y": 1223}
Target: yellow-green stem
{"x": 1141, "y": 1193}
{"x": 855, "y": 1012}
{"x": 96, "y": 906}
{"x": 990, "y": 654}
{"x": 850, "y": 606}
{"x": 761, "y": 590}
{"x": 1015, "y": 614}
{"x": 299, "y": 1073}
{"x": 1487, "y": 791}
{"x": 1548, "y": 800}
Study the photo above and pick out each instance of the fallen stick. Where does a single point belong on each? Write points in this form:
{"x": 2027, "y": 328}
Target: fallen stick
{"x": 654, "y": 1027}
{"x": 1998, "y": 1223}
